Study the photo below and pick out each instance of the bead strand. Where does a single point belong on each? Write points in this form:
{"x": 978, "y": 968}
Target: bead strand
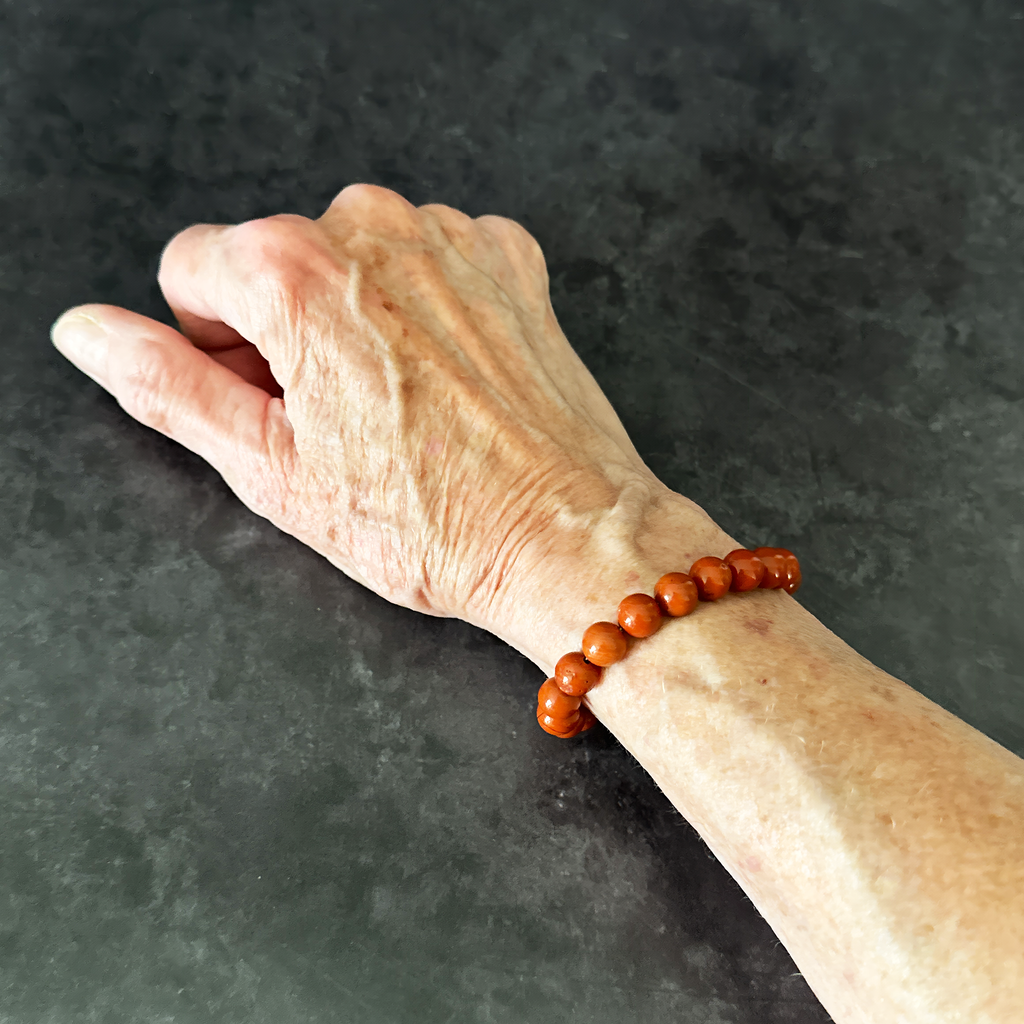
{"x": 560, "y": 708}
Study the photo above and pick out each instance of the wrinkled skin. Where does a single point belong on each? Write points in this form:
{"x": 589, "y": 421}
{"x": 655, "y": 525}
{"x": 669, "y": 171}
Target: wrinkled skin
{"x": 388, "y": 384}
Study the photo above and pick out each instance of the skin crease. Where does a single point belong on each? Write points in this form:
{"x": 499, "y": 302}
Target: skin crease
{"x": 390, "y": 385}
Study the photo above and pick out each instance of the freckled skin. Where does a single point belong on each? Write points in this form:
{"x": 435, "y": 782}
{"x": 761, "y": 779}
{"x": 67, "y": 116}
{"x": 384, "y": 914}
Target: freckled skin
{"x": 389, "y": 384}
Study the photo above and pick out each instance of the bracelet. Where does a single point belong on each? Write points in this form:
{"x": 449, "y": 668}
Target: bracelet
{"x": 560, "y": 707}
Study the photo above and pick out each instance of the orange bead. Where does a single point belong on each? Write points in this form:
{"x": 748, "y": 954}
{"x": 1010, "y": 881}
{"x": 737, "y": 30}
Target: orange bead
{"x": 794, "y": 577}
{"x": 575, "y": 675}
{"x": 586, "y": 721}
{"x": 676, "y": 594}
{"x": 712, "y": 576}
{"x": 604, "y": 644}
{"x": 552, "y": 701}
{"x": 747, "y": 569}
{"x": 561, "y": 727}
{"x": 774, "y": 567}
{"x": 639, "y": 615}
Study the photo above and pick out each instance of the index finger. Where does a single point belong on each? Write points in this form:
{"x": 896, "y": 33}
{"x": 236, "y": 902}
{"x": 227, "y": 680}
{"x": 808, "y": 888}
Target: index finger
{"x": 186, "y": 265}
{"x": 244, "y": 280}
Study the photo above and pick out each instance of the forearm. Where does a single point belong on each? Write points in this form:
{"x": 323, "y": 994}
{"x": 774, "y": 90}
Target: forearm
{"x": 880, "y": 836}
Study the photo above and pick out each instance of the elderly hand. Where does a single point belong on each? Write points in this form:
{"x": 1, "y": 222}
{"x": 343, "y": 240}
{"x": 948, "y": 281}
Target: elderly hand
{"x": 438, "y": 440}
{"x": 389, "y": 385}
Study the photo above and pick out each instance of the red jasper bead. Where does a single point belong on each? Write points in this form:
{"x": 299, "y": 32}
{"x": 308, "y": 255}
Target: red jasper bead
{"x": 794, "y": 577}
{"x": 561, "y": 727}
{"x": 575, "y": 675}
{"x": 747, "y": 569}
{"x": 552, "y": 701}
{"x": 774, "y": 568}
{"x": 676, "y": 594}
{"x": 604, "y": 643}
{"x": 586, "y": 721}
{"x": 639, "y": 615}
{"x": 712, "y": 576}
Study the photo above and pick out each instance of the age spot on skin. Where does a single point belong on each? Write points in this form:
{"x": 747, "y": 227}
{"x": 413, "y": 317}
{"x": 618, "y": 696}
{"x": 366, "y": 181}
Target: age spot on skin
{"x": 759, "y": 626}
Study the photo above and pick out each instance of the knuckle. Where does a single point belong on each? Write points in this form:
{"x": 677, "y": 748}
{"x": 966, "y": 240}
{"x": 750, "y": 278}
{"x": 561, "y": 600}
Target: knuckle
{"x": 450, "y": 218}
{"x": 377, "y": 205}
{"x": 513, "y": 234}
{"x": 178, "y": 243}
{"x": 269, "y": 243}
{"x": 279, "y": 253}
{"x": 372, "y": 197}
{"x": 523, "y": 253}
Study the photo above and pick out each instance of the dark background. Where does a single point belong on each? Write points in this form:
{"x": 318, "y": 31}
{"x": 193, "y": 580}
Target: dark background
{"x": 235, "y": 786}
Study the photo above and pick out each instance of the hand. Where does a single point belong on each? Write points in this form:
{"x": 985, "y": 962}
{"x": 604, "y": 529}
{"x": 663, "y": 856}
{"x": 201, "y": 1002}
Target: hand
{"x": 388, "y": 384}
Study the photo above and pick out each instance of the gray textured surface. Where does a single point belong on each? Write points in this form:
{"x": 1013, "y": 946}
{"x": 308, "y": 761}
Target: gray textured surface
{"x": 234, "y": 786}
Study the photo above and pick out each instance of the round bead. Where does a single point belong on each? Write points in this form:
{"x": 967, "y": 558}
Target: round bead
{"x": 575, "y": 675}
{"x": 552, "y": 701}
{"x": 676, "y": 594}
{"x": 794, "y": 577}
{"x": 712, "y": 576}
{"x": 561, "y": 727}
{"x": 774, "y": 567}
{"x": 586, "y": 721}
{"x": 604, "y": 644}
{"x": 639, "y": 615}
{"x": 747, "y": 569}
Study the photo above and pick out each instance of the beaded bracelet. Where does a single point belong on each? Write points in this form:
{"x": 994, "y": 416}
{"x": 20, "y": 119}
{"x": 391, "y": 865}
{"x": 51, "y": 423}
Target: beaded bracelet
{"x": 560, "y": 708}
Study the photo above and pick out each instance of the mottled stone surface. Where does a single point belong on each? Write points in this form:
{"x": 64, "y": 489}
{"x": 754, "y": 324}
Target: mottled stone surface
{"x": 234, "y": 786}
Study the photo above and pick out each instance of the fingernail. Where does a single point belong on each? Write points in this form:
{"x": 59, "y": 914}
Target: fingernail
{"x": 84, "y": 340}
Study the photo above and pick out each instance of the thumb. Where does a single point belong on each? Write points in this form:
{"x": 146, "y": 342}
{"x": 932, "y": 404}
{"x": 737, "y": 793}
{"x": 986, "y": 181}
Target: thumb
{"x": 164, "y": 382}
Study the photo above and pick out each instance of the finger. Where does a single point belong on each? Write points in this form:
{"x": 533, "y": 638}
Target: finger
{"x": 247, "y": 282}
{"x": 249, "y": 364}
{"x": 225, "y": 345}
{"x": 166, "y": 383}
{"x": 209, "y": 335}
{"x": 190, "y": 277}
{"x": 251, "y": 281}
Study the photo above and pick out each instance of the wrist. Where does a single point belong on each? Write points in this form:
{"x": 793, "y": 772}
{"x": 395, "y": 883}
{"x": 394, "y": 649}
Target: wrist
{"x": 575, "y": 570}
